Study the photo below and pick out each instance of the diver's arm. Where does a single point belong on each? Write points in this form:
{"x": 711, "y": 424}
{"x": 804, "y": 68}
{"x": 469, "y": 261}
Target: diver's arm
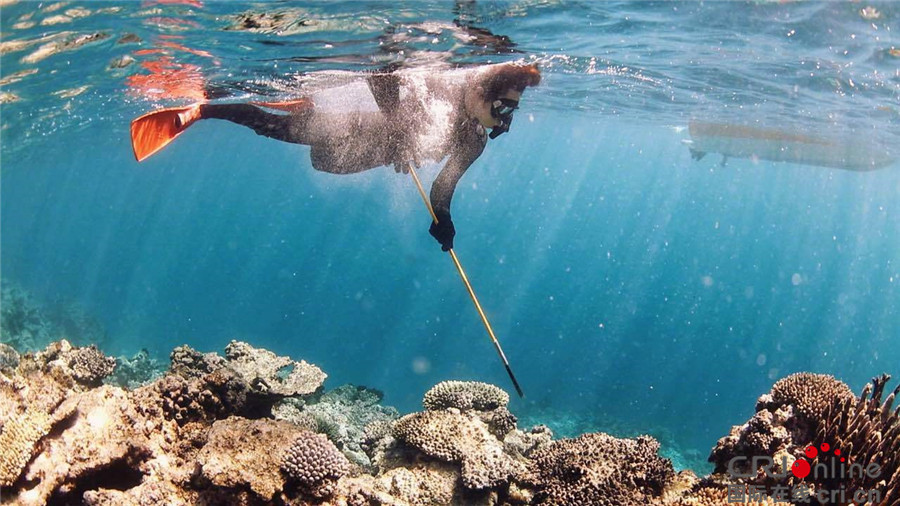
{"x": 467, "y": 147}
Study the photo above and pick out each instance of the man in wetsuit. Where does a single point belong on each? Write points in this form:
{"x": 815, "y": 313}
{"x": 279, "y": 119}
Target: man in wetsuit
{"x": 419, "y": 116}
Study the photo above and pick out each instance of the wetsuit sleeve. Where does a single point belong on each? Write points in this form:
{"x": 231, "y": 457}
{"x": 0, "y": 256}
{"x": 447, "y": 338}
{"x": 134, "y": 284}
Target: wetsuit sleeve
{"x": 466, "y": 148}
{"x": 385, "y": 88}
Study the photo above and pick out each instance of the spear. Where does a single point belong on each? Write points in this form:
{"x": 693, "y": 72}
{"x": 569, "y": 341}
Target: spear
{"x": 465, "y": 280}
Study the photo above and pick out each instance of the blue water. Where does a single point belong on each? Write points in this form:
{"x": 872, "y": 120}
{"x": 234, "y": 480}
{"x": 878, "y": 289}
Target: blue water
{"x": 632, "y": 287}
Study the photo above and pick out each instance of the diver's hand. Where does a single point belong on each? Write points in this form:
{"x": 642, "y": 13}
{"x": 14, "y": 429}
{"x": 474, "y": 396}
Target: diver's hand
{"x": 406, "y": 159}
{"x": 401, "y": 167}
{"x": 443, "y": 230}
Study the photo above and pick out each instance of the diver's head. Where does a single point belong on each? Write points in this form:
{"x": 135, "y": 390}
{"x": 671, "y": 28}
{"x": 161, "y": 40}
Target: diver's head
{"x": 497, "y": 92}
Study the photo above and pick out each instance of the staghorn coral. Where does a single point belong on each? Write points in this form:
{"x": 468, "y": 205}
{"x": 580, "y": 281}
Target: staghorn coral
{"x": 461, "y": 438}
{"x": 89, "y": 366}
{"x": 269, "y": 374}
{"x": 868, "y": 434}
{"x": 600, "y": 469}
{"x": 465, "y": 395}
{"x": 314, "y": 464}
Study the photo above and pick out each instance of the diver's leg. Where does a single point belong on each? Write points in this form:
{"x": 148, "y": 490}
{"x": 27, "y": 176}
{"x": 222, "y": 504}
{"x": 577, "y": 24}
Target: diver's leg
{"x": 350, "y": 143}
{"x": 284, "y": 127}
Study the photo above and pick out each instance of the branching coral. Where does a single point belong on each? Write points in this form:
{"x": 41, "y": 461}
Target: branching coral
{"x": 784, "y": 424}
{"x": 190, "y": 363}
{"x": 139, "y": 370}
{"x": 810, "y": 394}
{"x": 866, "y": 432}
{"x": 315, "y": 464}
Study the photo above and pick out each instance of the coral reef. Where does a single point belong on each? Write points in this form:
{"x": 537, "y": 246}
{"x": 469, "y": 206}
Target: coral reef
{"x": 868, "y": 433}
{"x": 22, "y": 322}
{"x": 456, "y": 437}
{"x": 134, "y": 372}
{"x": 785, "y": 422}
{"x": 314, "y": 464}
{"x": 342, "y": 414}
{"x": 269, "y": 374}
{"x": 810, "y": 394}
{"x": 27, "y": 324}
{"x": 214, "y": 430}
{"x": 9, "y": 357}
{"x": 465, "y": 395}
{"x": 89, "y": 366}
{"x": 247, "y": 453}
{"x": 17, "y": 441}
{"x": 600, "y": 469}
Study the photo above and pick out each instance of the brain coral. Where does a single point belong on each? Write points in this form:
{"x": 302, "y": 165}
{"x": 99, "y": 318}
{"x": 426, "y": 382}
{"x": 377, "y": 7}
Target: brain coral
{"x": 465, "y": 395}
{"x": 599, "y": 469}
{"x": 314, "y": 463}
{"x": 462, "y": 438}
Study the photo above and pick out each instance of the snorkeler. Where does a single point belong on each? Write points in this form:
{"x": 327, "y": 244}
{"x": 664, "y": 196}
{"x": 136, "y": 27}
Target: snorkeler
{"x": 416, "y": 116}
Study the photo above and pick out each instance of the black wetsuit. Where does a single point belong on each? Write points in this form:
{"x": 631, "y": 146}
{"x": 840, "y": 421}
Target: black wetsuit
{"x": 355, "y": 141}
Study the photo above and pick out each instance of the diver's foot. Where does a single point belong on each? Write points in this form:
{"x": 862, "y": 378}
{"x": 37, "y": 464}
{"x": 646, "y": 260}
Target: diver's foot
{"x": 184, "y": 118}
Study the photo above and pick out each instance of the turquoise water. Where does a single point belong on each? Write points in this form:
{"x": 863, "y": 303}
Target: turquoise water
{"x": 633, "y": 288}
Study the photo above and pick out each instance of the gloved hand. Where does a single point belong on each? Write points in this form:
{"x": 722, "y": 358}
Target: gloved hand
{"x": 443, "y": 230}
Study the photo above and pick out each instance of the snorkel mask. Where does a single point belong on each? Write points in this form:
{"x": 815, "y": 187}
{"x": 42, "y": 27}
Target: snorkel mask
{"x": 502, "y": 111}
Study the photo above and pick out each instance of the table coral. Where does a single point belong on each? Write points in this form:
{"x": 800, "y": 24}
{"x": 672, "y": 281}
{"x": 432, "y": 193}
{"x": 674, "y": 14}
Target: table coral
{"x": 268, "y": 373}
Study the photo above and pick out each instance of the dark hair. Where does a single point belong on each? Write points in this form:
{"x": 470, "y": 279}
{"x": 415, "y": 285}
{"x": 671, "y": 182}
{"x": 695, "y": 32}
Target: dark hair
{"x": 510, "y": 77}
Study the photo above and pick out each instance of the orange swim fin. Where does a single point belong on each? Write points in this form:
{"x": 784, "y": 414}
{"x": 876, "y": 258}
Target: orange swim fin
{"x": 153, "y": 131}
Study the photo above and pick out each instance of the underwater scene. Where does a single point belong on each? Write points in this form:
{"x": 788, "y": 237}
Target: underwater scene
{"x": 449, "y": 252}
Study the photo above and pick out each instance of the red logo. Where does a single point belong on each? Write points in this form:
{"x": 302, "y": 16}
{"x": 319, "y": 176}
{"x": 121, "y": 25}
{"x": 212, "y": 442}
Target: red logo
{"x": 802, "y": 467}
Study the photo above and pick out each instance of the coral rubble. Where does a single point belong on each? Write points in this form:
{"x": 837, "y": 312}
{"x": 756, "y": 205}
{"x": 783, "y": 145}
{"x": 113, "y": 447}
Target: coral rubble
{"x": 249, "y": 427}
